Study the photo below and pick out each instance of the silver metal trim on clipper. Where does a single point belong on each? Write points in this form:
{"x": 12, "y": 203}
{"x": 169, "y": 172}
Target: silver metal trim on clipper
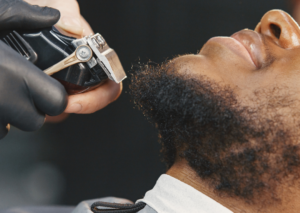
{"x": 107, "y": 58}
{"x": 83, "y": 53}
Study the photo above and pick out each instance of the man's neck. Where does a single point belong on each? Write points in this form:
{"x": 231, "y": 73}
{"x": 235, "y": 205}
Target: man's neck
{"x": 183, "y": 172}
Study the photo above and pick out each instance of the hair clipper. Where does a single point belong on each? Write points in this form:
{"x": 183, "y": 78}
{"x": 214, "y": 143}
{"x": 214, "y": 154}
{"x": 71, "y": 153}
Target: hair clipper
{"x": 79, "y": 64}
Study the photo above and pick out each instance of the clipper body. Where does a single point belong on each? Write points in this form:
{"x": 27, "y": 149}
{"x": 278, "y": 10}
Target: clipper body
{"x": 48, "y": 47}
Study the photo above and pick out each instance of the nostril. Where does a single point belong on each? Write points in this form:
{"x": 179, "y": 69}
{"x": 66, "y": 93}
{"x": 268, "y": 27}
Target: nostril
{"x": 275, "y": 30}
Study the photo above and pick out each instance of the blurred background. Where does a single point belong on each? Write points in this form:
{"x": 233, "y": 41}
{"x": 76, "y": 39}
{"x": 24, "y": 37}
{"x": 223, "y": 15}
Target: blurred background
{"x": 115, "y": 152}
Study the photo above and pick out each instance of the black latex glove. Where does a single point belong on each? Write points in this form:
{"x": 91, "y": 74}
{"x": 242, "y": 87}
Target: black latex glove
{"x": 26, "y": 93}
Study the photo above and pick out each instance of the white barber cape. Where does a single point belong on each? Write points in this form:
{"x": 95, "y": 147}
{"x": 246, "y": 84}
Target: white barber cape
{"x": 170, "y": 195}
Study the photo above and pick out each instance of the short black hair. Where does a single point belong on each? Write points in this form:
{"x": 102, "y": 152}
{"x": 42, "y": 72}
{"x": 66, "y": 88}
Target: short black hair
{"x": 240, "y": 151}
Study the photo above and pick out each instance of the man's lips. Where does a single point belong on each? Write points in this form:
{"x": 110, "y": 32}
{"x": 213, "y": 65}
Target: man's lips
{"x": 253, "y": 43}
{"x": 247, "y": 44}
{"x": 234, "y": 46}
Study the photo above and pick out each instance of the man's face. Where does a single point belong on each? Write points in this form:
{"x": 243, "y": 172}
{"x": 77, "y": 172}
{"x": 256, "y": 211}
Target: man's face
{"x": 251, "y": 60}
{"x": 232, "y": 111}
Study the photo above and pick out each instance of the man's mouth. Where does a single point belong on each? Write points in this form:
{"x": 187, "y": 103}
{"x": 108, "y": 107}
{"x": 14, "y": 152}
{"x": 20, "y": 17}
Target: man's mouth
{"x": 253, "y": 43}
{"x": 247, "y": 44}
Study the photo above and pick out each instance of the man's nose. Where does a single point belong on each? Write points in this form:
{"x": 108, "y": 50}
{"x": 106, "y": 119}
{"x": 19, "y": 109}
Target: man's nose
{"x": 281, "y": 27}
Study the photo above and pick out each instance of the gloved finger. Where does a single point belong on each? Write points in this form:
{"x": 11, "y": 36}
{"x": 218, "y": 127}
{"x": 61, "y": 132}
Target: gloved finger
{"x": 29, "y": 119}
{"x": 4, "y": 129}
{"x": 49, "y": 96}
{"x": 17, "y": 14}
{"x": 94, "y": 100}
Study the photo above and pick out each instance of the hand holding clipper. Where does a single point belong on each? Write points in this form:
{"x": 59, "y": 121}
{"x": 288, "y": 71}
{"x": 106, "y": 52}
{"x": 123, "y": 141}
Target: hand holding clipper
{"x": 26, "y": 93}
{"x": 79, "y": 64}
{"x": 73, "y": 24}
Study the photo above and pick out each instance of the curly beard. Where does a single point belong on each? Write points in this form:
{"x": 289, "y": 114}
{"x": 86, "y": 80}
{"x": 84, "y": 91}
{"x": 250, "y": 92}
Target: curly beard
{"x": 240, "y": 151}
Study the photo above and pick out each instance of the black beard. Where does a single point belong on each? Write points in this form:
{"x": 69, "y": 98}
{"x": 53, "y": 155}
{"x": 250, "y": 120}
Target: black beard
{"x": 240, "y": 151}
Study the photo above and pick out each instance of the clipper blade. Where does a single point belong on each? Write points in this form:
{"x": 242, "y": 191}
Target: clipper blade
{"x": 117, "y": 69}
{"x": 106, "y": 57}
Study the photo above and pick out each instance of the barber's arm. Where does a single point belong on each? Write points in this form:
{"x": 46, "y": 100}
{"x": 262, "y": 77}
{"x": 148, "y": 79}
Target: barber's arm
{"x": 75, "y": 25}
{"x": 26, "y": 93}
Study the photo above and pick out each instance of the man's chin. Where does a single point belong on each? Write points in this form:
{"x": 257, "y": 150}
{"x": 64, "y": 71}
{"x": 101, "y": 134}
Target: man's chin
{"x": 240, "y": 151}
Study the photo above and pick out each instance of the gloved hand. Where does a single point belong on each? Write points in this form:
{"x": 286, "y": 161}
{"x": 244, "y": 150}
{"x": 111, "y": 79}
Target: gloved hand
{"x": 72, "y": 22}
{"x": 26, "y": 93}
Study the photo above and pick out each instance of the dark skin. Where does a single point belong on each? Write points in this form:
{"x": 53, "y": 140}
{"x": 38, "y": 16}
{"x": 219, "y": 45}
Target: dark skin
{"x": 265, "y": 58}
